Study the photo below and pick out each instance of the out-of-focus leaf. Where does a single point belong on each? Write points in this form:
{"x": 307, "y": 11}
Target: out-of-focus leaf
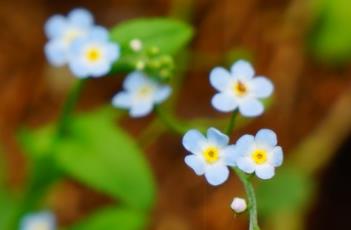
{"x": 101, "y": 155}
{"x": 169, "y": 35}
{"x": 331, "y": 36}
{"x": 113, "y": 218}
{"x": 288, "y": 190}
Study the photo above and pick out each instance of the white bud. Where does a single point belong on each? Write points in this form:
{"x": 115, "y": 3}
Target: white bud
{"x": 238, "y": 205}
{"x": 136, "y": 45}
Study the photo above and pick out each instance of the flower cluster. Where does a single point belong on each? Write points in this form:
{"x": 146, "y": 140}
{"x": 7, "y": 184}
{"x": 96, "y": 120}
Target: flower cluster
{"x": 75, "y": 40}
{"x": 211, "y": 155}
{"x": 38, "y": 221}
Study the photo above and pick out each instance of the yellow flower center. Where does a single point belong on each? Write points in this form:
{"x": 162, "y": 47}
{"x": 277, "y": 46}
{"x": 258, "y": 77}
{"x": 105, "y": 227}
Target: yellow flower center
{"x": 259, "y": 156}
{"x": 211, "y": 154}
{"x": 240, "y": 88}
{"x": 145, "y": 91}
{"x": 93, "y": 54}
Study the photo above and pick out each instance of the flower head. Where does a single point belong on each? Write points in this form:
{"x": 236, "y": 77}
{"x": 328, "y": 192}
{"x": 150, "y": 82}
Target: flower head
{"x": 239, "y": 89}
{"x": 238, "y": 205}
{"x": 93, "y": 55}
{"x": 39, "y": 221}
{"x": 211, "y": 155}
{"x": 259, "y": 154}
{"x": 140, "y": 94}
{"x": 62, "y": 31}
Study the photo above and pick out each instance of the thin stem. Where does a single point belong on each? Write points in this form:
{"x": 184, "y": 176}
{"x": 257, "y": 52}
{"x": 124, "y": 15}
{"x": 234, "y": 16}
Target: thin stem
{"x": 45, "y": 171}
{"x": 169, "y": 121}
{"x": 231, "y": 123}
{"x": 250, "y": 192}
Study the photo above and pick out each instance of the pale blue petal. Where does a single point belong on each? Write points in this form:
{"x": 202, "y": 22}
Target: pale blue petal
{"x": 99, "y": 33}
{"x": 224, "y": 102}
{"x": 162, "y": 93}
{"x": 217, "y": 138}
{"x": 141, "y": 109}
{"x": 251, "y": 107}
{"x": 261, "y": 87}
{"x": 122, "y": 100}
{"x": 216, "y": 174}
{"x": 230, "y": 155}
{"x": 265, "y": 171}
{"x": 100, "y": 69}
{"x": 244, "y": 145}
{"x": 266, "y": 137}
{"x": 242, "y": 70}
{"x": 55, "y": 26}
{"x": 56, "y": 53}
{"x": 112, "y": 51}
{"x": 196, "y": 164}
{"x": 277, "y": 156}
{"x": 193, "y": 141}
{"x": 245, "y": 164}
{"x": 81, "y": 17}
{"x": 219, "y": 78}
{"x": 134, "y": 80}
{"x": 30, "y": 219}
{"x": 78, "y": 68}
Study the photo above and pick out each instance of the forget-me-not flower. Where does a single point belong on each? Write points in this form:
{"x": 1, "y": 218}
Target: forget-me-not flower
{"x": 211, "y": 155}
{"x": 62, "y": 31}
{"x": 259, "y": 154}
{"x": 93, "y": 55}
{"x": 239, "y": 89}
{"x": 38, "y": 221}
{"x": 140, "y": 94}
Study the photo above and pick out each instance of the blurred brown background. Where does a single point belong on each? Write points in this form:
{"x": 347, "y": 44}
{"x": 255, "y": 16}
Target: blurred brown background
{"x": 312, "y": 103}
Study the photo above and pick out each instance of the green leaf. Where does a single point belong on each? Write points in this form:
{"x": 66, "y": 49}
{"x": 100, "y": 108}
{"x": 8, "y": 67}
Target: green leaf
{"x": 331, "y": 35}
{"x": 169, "y": 35}
{"x": 113, "y": 218}
{"x": 288, "y": 190}
{"x": 101, "y": 155}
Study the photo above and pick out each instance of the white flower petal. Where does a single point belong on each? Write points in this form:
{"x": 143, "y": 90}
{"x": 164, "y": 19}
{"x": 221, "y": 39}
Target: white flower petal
{"x": 251, "y": 107}
{"x": 80, "y": 17}
{"x": 32, "y": 221}
{"x": 134, "y": 80}
{"x": 55, "y": 52}
{"x": 261, "y": 87}
{"x": 99, "y": 33}
{"x": 122, "y": 100}
{"x": 246, "y": 164}
{"x": 55, "y": 26}
{"x": 244, "y": 145}
{"x": 162, "y": 93}
{"x": 265, "y": 171}
{"x": 277, "y": 156}
{"x": 141, "y": 109}
{"x": 266, "y": 138}
{"x": 217, "y": 138}
{"x": 224, "y": 102}
{"x": 242, "y": 70}
{"x": 193, "y": 141}
{"x": 216, "y": 174}
{"x": 194, "y": 162}
{"x": 78, "y": 68}
{"x": 219, "y": 78}
{"x": 230, "y": 155}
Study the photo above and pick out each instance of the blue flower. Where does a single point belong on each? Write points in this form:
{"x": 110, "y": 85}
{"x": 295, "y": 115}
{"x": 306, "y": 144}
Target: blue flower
{"x": 93, "y": 55}
{"x": 62, "y": 31}
{"x": 211, "y": 155}
{"x": 259, "y": 154}
{"x": 140, "y": 94}
{"x": 42, "y": 221}
{"x": 239, "y": 89}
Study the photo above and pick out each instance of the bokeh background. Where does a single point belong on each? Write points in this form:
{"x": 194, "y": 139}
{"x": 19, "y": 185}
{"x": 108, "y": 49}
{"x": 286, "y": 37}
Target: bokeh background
{"x": 304, "y": 46}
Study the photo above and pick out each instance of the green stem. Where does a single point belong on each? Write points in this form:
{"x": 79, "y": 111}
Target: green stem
{"x": 45, "y": 171}
{"x": 170, "y": 122}
{"x": 250, "y": 192}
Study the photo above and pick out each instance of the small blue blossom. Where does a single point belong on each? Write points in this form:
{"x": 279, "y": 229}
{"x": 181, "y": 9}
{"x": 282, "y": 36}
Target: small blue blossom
{"x": 239, "y": 89}
{"x": 93, "y": 55}
{"x": 62, "y": 31}
{"x": 211, "y": 155}
{"x": 140, "y": 94}
{"x": 259, "y": 154}
{"x": 38, "y": 221}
